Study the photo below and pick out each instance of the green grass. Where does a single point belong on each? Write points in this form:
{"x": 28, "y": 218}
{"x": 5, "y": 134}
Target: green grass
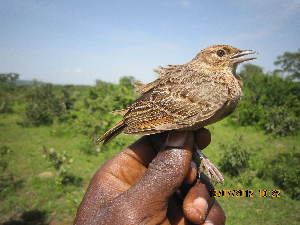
{"x": 59, "y": 203}
{"x": 263, "y": 148}
{"x": 27, "y": 162}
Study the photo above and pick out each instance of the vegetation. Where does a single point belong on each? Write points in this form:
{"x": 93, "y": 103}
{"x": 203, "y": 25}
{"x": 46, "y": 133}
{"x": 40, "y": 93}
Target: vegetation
{"x": 290, "y": 64}
{"x": 7, "y": 86}
{"x": 285, "y": 171}
{"x": 235, "y": 158}
{"x": 270, "y": 102}
{"x": 44, "y": 106}
{"x": 48, "y": 155}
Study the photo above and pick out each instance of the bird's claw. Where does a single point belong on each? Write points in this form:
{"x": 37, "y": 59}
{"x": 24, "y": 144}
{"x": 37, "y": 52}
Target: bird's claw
{"x": 211, "y": 170}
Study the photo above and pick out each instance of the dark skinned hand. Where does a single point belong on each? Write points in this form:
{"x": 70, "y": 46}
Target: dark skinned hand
{"x": 153, "y": 181}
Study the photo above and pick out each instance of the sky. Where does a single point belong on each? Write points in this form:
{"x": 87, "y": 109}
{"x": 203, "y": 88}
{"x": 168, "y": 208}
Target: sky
{"x": 78, "y": 42}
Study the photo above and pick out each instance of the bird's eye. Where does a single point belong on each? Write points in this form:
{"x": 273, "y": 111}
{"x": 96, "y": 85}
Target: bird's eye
{"x": 221, "y": 52}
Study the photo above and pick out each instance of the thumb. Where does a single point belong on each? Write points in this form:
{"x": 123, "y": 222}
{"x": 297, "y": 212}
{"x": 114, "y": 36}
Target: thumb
{"x": 167, "y": 170}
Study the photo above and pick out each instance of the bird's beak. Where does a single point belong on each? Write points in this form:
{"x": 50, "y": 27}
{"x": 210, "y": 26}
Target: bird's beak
{"x": 236, "y": 57}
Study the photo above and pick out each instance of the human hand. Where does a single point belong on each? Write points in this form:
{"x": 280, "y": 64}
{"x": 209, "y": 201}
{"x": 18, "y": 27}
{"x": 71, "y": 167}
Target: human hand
{"x": 152, "y": 182}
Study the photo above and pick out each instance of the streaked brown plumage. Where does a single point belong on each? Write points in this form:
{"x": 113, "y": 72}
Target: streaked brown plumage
{"x": 186, "y": 97}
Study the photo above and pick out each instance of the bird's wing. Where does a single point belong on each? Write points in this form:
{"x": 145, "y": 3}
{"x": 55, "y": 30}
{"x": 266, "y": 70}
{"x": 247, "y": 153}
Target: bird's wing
{"x": 141, "y": 88}
{"x": 174, "y": 106}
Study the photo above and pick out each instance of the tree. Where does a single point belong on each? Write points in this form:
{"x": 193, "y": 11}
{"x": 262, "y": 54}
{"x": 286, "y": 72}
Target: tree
{"x": 44, "y": 105}
{"x": 250, "y": 69}
{"x": 7, "y": 88}
{"x": 269, "y": 101}
{"x": 290, "y": 64}
{"x": 9, "y": 78}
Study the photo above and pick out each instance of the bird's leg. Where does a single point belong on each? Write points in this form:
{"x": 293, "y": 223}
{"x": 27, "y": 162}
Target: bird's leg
{"x": 211, "y": 169}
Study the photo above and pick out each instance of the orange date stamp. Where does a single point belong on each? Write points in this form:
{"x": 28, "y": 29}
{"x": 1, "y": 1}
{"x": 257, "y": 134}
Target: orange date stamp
{"x": 245, "y": 193}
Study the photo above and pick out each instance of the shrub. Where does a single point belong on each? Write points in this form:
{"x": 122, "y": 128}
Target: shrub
{"x": 284, "y": 170}
{"x": 4, "y": 153}
{"x": 280, "y": 122}
{"x": 7, "y": 89}
{"x": 44, "y": 106}
{"x": 235, "y": 159}
{"x": 86, "y": 147}
{"x": 5, "y": 103}
{"x": 247, "y": 113}
{"x": 61, "y": 162}
{"x": 269, "y": 102}
{"x": 8, "y": 182}
{"x": 95, "y": 117}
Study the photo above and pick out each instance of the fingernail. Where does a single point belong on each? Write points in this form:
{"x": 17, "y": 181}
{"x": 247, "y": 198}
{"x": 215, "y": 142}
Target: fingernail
{"x": 208, "y": 223}
{"x": 201, "y": 205}
{"x": 176, "y": 139}
{"x": 203, "y": 138}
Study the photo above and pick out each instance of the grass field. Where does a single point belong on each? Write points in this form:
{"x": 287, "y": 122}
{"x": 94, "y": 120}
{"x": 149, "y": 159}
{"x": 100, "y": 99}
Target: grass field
{"x": 35, "y": 197}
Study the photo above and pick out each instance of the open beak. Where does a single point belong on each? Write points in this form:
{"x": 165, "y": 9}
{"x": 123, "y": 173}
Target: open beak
{"x": 236, "y": 58}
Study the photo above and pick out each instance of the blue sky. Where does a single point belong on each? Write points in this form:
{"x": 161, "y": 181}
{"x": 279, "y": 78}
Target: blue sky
{"x": 77, "y": 42}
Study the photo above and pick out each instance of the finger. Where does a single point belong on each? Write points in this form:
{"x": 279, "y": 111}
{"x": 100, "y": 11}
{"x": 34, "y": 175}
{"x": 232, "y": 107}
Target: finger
{"x": 142, "y": 150}
{"x": 129, "y": 165}
{"x": 197, "y": 203}
{"x": 167, "y": 171}
{"x": 174, "y": 213}
{"x": 192, "y": 174}
{"x": 202, "y": 137}
{"x": 216, "y": 215}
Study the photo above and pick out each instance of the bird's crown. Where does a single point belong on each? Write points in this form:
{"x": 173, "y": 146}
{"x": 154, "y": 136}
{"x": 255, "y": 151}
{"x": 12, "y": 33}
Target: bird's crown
{"x": 222, "y": 55}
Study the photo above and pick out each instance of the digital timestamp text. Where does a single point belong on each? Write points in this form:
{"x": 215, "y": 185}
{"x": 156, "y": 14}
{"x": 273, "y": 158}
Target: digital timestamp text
{"x": 240, "y": 193}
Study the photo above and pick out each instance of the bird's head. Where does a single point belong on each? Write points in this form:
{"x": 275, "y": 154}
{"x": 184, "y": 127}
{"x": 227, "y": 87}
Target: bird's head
{"x": 222, "y": 57}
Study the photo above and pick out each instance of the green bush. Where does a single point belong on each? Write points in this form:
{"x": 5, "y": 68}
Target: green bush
{"x": 280, "y": 122}
{"x": 284, "y": 170}
{"x": 86, "y": 147}
{"x": 6, "y": 103}
{"x": 61, "y": 162}
{"x": 248, "y": 113}
{"x": 4, "y": 153}
{"x": 7, "y": 91}
{"x": 269, "y": 102}
{"x": 8, "y": 182}
{"x": 43, "y": 106}
{"x": 95, "y": 115}
{"x": 235, "y": 159}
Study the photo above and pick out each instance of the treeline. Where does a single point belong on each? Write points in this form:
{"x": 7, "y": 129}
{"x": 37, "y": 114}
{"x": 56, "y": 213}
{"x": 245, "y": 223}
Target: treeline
{"x": 83, "y": 109}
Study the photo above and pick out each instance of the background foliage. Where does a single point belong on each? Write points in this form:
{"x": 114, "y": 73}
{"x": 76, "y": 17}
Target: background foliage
{"x": 270, "y": 102}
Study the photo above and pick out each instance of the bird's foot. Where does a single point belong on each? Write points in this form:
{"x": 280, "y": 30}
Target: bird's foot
{"x": 211, "y": 170}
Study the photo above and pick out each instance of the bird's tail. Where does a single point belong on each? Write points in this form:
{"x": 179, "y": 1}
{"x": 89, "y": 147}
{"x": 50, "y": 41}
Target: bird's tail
{"x": 111, "y": 133}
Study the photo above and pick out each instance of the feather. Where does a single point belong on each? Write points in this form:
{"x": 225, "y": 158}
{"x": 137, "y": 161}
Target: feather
{"x": 111, "y": 133}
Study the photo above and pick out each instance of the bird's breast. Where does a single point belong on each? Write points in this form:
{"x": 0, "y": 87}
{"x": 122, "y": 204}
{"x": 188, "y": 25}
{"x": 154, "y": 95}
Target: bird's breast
{"x": 234, "y": 88}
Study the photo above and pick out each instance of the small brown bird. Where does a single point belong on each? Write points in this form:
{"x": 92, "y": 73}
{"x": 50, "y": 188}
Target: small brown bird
{"x": 186, "y": 97}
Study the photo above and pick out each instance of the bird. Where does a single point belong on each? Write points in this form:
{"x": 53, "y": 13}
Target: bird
{"x": 186, "y": 97}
